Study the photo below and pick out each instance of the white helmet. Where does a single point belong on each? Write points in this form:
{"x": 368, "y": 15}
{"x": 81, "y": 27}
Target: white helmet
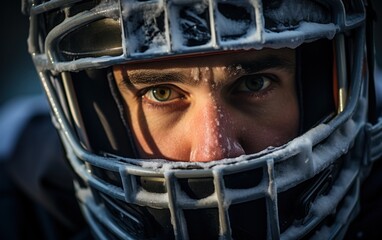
{"x": 307, "y": 186}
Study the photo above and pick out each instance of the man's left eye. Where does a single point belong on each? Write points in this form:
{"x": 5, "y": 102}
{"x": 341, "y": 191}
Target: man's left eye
{"x": 253, "y": 83}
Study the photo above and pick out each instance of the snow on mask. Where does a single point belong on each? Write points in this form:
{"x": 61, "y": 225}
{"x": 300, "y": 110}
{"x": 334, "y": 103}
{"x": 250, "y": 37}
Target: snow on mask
{"x": 288, "y": 14}
{"x": 159, "y": 27}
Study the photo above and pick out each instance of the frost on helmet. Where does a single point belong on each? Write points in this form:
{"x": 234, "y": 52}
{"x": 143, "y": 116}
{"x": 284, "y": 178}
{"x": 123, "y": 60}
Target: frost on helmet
{"x": 191, "y": 24}
{"x": 165, "y": 27}
{"x": 287, "y": 15}
{"x": 234, "y": 21}
{"x": 145, "y": 25}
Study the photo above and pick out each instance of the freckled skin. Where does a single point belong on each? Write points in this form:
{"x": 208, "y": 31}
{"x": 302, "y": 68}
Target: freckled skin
{"x": 212, "y": 120}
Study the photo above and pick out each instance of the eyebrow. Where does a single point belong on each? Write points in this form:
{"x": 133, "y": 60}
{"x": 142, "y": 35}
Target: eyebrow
{"x": 156, "y": 76}
{"x": 267, "y": 62}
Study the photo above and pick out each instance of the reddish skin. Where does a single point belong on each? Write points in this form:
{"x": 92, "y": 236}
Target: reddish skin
{"x": 207, "y": 111}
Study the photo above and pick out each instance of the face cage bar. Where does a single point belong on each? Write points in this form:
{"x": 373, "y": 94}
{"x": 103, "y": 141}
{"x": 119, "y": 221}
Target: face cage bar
{"x": 348, "y": 194}
{"x": 47, "y": 58}
{"x": 303, "y": 153}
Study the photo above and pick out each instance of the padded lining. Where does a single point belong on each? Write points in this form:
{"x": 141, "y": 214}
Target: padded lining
{"x": 104, "y": 127}
{"x": 315, "y": 84}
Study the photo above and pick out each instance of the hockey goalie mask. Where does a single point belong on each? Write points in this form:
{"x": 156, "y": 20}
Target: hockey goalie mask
{"x": 304, "y": 181}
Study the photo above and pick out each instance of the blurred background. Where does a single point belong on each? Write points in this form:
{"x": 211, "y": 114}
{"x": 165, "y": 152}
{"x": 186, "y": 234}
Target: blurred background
{"x": 377, "y": 4}
{"x": 18, "y": 76}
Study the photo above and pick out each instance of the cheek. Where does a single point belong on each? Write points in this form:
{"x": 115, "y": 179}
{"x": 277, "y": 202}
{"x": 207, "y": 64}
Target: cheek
{"x": 286, "y": 116}
{"x": 277, "y": 125}
{"x": 159, "y": 137}
{"x": 286, "y": 124}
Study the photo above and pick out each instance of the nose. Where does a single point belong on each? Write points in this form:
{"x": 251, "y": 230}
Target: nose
{"x": 213, "y": 133}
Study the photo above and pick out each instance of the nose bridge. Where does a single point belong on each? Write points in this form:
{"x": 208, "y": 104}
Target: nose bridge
{"x": 214, "y": 136}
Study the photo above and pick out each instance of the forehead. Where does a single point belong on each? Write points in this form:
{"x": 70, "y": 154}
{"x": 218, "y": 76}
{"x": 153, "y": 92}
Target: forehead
{"x": 281, "y": 56}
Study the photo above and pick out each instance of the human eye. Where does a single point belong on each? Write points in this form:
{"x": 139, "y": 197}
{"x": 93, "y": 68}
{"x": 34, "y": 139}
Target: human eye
{"x": 161, "y": 94}
{"x": 253, "y": 84}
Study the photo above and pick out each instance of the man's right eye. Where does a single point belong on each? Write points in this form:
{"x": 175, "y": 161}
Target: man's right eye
{"x": 162, "y": 94}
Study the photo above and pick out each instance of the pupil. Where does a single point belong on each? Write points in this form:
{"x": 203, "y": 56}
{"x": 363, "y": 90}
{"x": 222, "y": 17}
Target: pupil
{"x": 161, "y": 94}
{"x": 254, "y": 84}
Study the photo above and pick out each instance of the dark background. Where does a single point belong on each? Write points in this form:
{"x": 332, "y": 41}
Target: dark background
{"x": 377, "y": 4}
{"x": 17, "y": 73}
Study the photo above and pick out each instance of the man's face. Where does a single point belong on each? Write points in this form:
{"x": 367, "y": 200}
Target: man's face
{"x": 211, "y": 107}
